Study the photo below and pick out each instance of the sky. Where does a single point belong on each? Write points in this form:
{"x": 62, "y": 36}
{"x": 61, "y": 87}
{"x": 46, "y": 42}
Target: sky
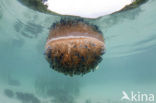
{"x": 86, "y": 8}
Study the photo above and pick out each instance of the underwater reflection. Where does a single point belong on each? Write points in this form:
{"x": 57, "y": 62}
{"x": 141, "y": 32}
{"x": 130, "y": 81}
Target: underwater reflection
{"x": 58, "y": 90}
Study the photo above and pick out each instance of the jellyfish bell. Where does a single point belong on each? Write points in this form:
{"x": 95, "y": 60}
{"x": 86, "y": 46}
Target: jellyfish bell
{"x": 74, "y": 47}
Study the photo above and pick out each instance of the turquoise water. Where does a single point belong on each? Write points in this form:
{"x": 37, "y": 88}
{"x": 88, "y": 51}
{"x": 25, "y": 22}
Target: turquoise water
{"x": 128, "y": 65}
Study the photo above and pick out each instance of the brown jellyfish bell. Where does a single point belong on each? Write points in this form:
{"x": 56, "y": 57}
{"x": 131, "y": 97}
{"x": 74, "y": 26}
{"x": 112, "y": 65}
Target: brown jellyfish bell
{"x": 74, "y": 47}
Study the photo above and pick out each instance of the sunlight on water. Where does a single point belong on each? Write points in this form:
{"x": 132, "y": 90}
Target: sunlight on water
{"x": 128, "y": 64}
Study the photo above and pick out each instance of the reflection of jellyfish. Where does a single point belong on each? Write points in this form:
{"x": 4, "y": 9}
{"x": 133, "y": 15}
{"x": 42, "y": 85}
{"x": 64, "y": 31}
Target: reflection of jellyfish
{"x": 74, "y": 47}
{"x": 58, "y": 89}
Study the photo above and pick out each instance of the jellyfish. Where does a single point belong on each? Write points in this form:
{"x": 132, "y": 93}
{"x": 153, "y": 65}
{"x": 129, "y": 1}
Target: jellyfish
{"x": 74, "y": 47}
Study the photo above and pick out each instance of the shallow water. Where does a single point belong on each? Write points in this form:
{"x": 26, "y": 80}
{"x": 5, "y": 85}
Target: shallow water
{"x": 128, "y": 65}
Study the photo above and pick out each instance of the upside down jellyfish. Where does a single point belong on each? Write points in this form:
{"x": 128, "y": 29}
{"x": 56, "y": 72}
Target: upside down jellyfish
{"x": 74, "y": 47}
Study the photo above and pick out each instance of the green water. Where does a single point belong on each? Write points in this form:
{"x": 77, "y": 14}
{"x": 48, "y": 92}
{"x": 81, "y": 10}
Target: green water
{"x": 128, "y": 65}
